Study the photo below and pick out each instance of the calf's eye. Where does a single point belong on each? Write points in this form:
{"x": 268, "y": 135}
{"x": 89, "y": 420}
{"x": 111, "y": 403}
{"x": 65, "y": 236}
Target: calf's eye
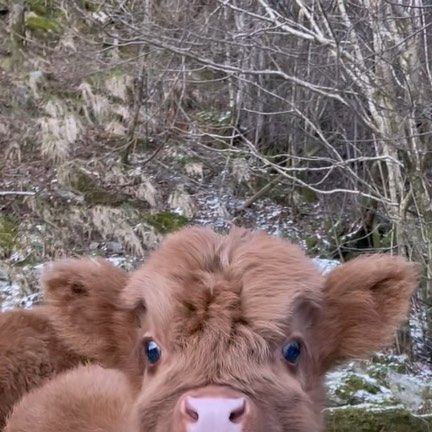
{"x": 291, "y": 352}
{"x": 152, "y": 351}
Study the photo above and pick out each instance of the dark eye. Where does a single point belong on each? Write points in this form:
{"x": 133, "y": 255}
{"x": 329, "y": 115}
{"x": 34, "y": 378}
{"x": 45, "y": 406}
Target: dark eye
{"x": 291, "y": 352}
{"x": 152, "y": 351}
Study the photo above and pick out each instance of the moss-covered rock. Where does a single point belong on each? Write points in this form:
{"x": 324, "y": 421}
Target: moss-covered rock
{"x": 381, "y": 364}
{"x": 166, "y": 222}
{"x": 365, "y": 418}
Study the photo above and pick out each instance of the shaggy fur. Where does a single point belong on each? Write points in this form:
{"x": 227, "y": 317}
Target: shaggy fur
{"x": 83, "y": 295}
{"x": 30, "y": 354}
{"x": 87, "y": 399}
{"x": 222, "y": 308}
{"x": 80, "y": 321}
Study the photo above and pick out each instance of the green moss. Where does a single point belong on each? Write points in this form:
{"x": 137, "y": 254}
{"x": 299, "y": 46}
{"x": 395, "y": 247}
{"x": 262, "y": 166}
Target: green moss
{"x": 38, "y": 23}
{"x": 97, "y": 80}
{"x": 8, "y": 235}
{"x": 369, "y": 419}
{"x": 351, "y": 385}
{"x": 89, "y": 5}
{"x": 308, "y": 195}
{"x": 385, "y": 363}
{"x": 40, "y": 7}
{"x": 166, "y": 222}
{"x": 94, "y": 194}
{"x": 311, "y": 242}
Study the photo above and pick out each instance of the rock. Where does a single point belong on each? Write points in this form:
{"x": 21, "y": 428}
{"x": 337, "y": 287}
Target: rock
{"x": 114, "y": 247}
{"x": 350, "y": 386}
{"x": 368, "y": 418}
{"x": 410, "y": 391}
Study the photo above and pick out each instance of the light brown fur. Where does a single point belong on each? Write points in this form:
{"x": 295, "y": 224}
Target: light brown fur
{"x": 222, "y": 308}
{"x": 87, "y": 399}
{"x": 30, "y": 354}
{"x": 84, "y": 296}
{"x": 80, "y": 321}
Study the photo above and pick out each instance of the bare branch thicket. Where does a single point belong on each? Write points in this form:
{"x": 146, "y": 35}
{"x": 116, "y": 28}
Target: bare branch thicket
{"x": 323, "y": 95}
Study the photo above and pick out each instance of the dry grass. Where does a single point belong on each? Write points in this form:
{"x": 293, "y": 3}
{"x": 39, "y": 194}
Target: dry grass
{"x": 59, "y": 130}
{"x": 182, "y": 202}
{"x": 113, "y": 223}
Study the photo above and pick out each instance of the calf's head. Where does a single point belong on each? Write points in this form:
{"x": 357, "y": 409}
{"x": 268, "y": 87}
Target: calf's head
{"x": 238, "y": 331}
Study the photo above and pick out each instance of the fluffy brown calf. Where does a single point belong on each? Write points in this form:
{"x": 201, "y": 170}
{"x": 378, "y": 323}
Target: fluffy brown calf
{"x": 236, "y": 332}
{"x": 37, "y": 344}
{"x": 30, "y": 353}
{"x": 86, "y": 399}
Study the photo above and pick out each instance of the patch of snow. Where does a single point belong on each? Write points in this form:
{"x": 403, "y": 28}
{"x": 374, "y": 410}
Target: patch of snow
{"x": 325, "y": 265}
{"x": 14, "y": 297}
{"x": 409, "y": 389}
{"x": 368, "y": 406}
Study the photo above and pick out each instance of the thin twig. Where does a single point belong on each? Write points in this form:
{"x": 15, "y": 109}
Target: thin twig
{"x": 5, "y": 193}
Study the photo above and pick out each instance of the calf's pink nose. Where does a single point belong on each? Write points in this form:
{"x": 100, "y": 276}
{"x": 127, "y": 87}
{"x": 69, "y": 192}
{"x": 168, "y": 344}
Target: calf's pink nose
{"x": 213, "y": 413}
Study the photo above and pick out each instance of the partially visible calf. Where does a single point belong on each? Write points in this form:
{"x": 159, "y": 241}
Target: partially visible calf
{"x": 30, "y": 354}
{"x": 236, "y": 332}
{"x": 87, "y": 399}
{"x": 80, "y": 321}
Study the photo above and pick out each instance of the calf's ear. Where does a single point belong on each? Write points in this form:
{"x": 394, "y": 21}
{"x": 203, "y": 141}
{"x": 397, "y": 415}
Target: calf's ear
{"x": 365, "y": 300}
{"x": 83, "y": 296}
{"x": 74, "y": 278}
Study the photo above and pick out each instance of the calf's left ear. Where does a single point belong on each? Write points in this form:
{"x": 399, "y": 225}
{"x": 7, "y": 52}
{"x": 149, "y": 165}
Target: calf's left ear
{"x": 365, "y": 300}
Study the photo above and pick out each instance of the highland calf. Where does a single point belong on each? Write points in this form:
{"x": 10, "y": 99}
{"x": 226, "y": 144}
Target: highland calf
{"x": 37, "y": 344}
{"x": 88, "y": 398}
{"x": 233, "y": 333}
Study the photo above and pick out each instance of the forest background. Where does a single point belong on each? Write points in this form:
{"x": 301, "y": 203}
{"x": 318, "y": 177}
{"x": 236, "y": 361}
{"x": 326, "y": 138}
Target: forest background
{"x": 121, "y": 121}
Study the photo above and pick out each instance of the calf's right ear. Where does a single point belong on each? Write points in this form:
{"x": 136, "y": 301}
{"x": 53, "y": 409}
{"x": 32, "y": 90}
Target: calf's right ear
{"x": 365, "y": 300}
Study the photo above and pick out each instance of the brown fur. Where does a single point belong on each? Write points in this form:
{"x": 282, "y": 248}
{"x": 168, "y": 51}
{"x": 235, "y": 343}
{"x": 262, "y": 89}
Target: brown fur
{"x": 84, "y": 298}
{"x": 87, "y": 399}
{"x": 30, "y": 354}
{"x": 80, "y": 321}
{"x": 222, "y": 308}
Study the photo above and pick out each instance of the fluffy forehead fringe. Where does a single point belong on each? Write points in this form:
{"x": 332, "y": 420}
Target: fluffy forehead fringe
{"x": 245, "y": 277}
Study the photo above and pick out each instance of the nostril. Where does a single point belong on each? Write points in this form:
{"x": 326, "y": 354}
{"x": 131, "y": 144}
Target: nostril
{"x": 190, "y": 412}
{"x": 237, "y": 413}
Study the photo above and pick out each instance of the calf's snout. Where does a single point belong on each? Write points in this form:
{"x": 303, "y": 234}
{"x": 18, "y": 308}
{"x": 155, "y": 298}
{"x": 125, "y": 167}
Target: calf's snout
{"x": 213, "y": 408}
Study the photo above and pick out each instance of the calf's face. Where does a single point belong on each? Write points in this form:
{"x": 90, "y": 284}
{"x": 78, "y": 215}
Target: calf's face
{"x": 238, "y": 331}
